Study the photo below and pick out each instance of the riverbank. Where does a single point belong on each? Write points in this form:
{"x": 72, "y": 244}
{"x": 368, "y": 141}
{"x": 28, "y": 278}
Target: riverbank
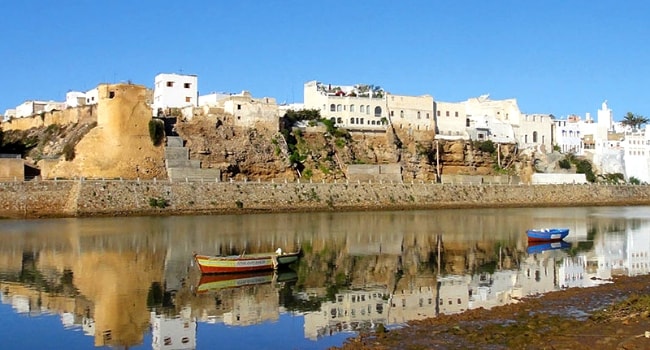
{"x": 609, "y": 316}
{"x": 82, "y": 198}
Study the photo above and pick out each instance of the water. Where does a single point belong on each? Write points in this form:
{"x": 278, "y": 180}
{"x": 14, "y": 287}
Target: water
{"x": 131, "y": 282}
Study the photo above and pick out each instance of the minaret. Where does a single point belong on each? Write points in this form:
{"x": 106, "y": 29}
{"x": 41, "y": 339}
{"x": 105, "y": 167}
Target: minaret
{"x": 605, "y": 117}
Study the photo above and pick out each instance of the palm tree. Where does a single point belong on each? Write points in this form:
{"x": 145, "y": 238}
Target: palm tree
{"x": 635, "y": 121}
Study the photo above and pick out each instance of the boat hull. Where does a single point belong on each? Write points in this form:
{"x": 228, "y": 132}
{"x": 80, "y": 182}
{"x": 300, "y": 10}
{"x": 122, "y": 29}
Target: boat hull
{"x": 243, "y": 263}
{"x": 539, "y": 247}
{"x": 547, "y": 235}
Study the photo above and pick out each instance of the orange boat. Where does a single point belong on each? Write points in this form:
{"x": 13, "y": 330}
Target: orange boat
{"x": 245, "y": 262}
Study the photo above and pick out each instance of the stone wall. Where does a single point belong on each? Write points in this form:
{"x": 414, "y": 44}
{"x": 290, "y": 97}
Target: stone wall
{"x": 63, "y": 117}
{"x": 121, "y": 198}
{"x": 12, "y": 169}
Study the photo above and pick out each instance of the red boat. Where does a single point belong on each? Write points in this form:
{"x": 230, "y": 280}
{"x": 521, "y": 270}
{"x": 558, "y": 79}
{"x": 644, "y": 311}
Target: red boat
{"x": 244, "y": 262}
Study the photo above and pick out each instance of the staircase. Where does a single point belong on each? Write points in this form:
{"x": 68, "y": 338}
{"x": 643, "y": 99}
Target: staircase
{"x": 181, "y": 167}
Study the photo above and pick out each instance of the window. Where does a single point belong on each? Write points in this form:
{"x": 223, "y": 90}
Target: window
{"x": 455, "y": 114}
{"x": 367, "y": 109}
{"x": 351, "y": 108}
{"x": 418, "y": 114}
{"x": 427, "y": 115}
{"x": 351, "y": 120}
{"x": 378, "y": 111}
{"x": 170, "y": 84}
{"x": 391, "y": 113}
{"x": 438, "y": 113}
{"x": 339, "y": 120}
{"x": 238, "y": 107}
{"x": 447, "y": 113}
{"x": 401, "y": 114}
{"x": 534, "y": 136}
{"x": 362, "y": 109}
{"x": 188, "y": 99}
{"x": 187, "y": 85}
{"x": 467, "y": 122}
{"x": 332, "y": 108}
{"x": 339, "y": 108}
{"x": 111, "y": 94}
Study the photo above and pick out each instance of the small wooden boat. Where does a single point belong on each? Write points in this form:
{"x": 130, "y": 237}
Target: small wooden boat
{"x": 547, "y": 234}
{"x": 245, "y": 262}
{"x": 538, "y": 247}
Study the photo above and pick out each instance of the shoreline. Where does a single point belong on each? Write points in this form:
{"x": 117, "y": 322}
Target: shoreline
{"x": 98, "y": 198}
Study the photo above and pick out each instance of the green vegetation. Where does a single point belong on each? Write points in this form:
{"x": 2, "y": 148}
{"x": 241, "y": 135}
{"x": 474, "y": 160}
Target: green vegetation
{"x": 156, "y": 131}
{"x": 68, "y": 151}
{"x": 158, "y": 203}
{"x": 634, "y": 181}
{"x": 564, "y": 164}
{"x": 485, "y": 146}
{"x": 635, "y": 121}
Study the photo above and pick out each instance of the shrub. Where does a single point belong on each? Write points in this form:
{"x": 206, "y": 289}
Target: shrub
{"x": 158, "y": 203}
{"x": 487, "y": 146}
{"x": 68, "y": 152}
{"x": 564, "y": 164}
{"x": 634, "y": 181}
{"x": 156, "y": 131}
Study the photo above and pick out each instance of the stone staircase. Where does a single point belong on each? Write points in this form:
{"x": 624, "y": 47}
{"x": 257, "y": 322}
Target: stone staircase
{"x": 181, "y": 167}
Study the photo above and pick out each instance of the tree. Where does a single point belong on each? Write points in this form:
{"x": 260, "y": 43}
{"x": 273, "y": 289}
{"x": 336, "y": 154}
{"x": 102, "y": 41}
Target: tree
{"x": 635, "y": 121}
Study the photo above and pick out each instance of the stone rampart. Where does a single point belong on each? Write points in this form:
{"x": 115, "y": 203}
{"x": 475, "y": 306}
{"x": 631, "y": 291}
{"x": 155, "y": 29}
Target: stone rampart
{"x": 122, "y": 198}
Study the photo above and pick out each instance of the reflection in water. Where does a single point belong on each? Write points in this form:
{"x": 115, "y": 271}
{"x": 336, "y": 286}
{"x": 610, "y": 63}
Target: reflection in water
{"x": 118, "y": 279}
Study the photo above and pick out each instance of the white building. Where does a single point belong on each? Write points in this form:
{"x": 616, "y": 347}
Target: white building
{"x": 9, "y": 113}
{"x": 29, "y": 108}
{"x": 451, "y": 120}
{"x": 636, "y": 148}
{"x": 212, "y": 98}
{"x": 174, "y": 91}
{"x": 75, "y": 99}
{"x": 360, "y": 107}
{"x": 411, "y": 112}
{"x": 92, "y": 96}
{"x": 568, "y": 136}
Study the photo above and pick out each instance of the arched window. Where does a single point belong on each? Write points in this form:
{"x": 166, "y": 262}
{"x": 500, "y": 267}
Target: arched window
{"x": 362, "y": 109}
{"x": 339, "y": 120}
{"x": 401, "y": 114}
{"x": 333, "y": 120}
{"x": 351, "y": 120}
{"x": 377, "y": 111}
{"x": 418, "y": 114}
{"x": 351, "y": 108}
{"x": 361, "y": 121}
{"x": 534, "y": 136}
{"x": 332, "y": 108}
{"x": 367, "y": 109}
{"x": 339, "y": 108}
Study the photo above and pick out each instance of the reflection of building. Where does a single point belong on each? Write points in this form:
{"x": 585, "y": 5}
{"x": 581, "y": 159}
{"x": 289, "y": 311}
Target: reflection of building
{"x": 572, "y": 272}
{"x": 249, "y": 309}
{"x": 453, "y": 294}
{"x": 173, "y": 332}
{"x": 536, "y": 274}
{"x": 412, "y": 304}
{"x": 610, "y": 250}
{"x": 489, "y": 290}
{"x": 351, "y": 311}
{"x": 638, "y": 252}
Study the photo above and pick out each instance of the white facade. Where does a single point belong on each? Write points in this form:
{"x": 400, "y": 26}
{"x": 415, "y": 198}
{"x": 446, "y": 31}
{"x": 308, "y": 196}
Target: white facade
{"x": 92, "y": 96}
{"x": 568, "y": 136}
{"x": 174, "y": 91}
{"x": 636, "y": 146}
{"x": 411, "y": 112}
{"x": 451, "y": 120}
{"x": 490, "y": 128}
{"x": 212, "y": 98}
{"x": 536, "y": 130}
{"x": 75, "y": 99}
{"x": 9, "y": 113}
{"x": 29, "y": 108}
{"x": 353, "y": 107}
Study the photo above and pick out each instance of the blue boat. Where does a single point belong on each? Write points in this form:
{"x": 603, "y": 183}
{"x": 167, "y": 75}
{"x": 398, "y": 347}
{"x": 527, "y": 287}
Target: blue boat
{"x": 538, "y": 247}
{"x": 547, "y": 234}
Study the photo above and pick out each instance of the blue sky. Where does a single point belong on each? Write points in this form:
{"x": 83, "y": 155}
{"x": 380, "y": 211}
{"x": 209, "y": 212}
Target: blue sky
{"x": 558, "y": 57}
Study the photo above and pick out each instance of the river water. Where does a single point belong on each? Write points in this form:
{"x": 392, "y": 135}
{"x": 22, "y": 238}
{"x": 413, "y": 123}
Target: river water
{"x": 132, "y": 282}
